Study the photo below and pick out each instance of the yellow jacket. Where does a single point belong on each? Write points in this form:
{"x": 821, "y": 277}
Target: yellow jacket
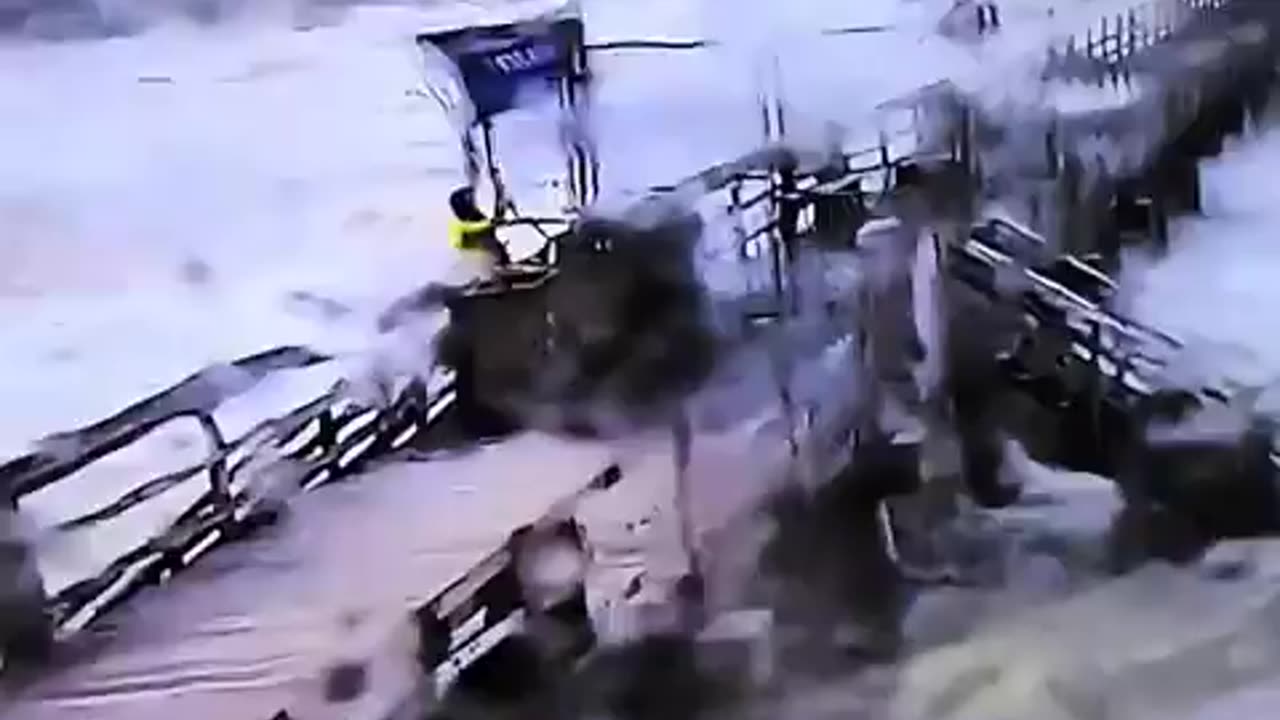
{"x": 462, "y": 233}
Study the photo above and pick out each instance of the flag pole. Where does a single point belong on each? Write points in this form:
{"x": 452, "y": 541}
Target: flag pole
{"x": 501, "y": 201}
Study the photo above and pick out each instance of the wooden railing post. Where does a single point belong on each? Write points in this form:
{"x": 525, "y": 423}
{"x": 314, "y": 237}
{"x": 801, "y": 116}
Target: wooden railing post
{"x": 219, "y": 481}
{"x": 420, "y": 403}
{"x": 1132, "y": 33}
{"x": 325, "y": 441}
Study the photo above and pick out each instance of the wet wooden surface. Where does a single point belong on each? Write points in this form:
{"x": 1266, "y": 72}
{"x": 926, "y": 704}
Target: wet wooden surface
{"x": 253, "y": 625}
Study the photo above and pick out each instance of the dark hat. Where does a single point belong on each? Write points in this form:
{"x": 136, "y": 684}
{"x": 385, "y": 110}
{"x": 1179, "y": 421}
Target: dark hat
{"x": 463, "y": 203}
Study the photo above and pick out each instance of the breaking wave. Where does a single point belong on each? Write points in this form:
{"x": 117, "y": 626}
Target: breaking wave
{"x": 80, "y": 19}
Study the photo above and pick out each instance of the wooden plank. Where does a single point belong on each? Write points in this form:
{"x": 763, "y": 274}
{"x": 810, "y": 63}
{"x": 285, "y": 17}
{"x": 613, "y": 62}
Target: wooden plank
{"x": 256, "y": 625}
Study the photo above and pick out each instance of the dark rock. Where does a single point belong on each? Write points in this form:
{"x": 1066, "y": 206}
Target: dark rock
{"x": 346, "y": 682}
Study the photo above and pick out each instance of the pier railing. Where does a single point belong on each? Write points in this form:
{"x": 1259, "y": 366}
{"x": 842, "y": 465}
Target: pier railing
{"x": 320, "y": 441}
{"x": 1105, "y": 50}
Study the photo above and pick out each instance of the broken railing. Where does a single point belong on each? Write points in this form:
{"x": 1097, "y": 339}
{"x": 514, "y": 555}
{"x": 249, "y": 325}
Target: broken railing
{"x": 322, "y": 440}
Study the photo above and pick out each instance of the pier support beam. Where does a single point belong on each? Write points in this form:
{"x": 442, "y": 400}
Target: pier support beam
{"x": 1139, "y": 213}
{"x": 1177, "y": 180}
{"x": 26, "y": 632}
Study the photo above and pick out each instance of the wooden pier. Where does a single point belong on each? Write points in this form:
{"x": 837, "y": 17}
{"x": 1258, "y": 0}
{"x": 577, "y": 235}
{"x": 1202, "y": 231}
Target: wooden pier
{"x": 269, "y": 625}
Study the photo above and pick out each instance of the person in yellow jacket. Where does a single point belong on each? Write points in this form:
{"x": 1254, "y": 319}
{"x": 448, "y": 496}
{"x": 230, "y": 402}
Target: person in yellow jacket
{"x": 472, "y": 235}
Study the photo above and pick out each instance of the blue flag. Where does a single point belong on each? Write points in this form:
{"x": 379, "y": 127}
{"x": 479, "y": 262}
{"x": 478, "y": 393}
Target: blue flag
{"x": 498, "y": 64}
